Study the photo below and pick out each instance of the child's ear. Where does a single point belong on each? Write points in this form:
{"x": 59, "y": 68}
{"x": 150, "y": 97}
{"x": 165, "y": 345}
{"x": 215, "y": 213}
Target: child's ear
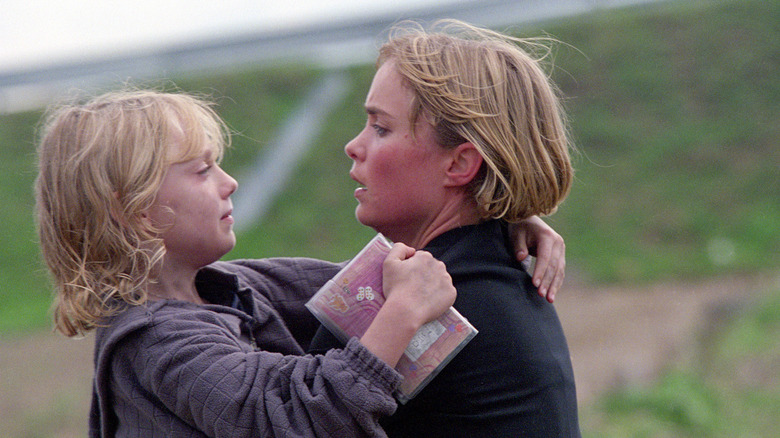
{"x": 115, "y": 210}
{"x": 465, "y": 162}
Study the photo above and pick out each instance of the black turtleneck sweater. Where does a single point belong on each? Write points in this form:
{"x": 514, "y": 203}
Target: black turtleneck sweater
{"x": 514, "y": 379}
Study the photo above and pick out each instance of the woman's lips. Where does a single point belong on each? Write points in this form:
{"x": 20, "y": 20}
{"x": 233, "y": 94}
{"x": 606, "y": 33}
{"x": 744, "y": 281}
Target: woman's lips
{"x": 361, "y": 188}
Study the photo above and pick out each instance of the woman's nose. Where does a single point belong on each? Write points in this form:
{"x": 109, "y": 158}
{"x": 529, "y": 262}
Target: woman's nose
{"x": 352, "y": 148}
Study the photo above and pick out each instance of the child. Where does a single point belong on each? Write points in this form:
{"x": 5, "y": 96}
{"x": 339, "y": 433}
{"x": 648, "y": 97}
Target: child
{"x": 133, "y": 212}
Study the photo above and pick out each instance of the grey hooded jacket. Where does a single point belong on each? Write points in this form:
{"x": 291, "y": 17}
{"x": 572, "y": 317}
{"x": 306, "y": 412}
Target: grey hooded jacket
{"x": 235, "y": 367}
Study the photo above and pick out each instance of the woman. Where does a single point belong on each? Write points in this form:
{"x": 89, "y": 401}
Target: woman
{"x": 465, "y": 135}
{"x": 133, "y": 211}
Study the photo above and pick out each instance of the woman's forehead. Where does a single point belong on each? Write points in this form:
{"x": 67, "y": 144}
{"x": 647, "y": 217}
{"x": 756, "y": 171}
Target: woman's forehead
{"x": 389, "y": 95}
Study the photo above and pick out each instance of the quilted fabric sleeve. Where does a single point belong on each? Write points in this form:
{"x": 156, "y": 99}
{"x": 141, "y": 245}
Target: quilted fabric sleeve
{"x": 287, "y": 284}
{"x": 197, "y": 370}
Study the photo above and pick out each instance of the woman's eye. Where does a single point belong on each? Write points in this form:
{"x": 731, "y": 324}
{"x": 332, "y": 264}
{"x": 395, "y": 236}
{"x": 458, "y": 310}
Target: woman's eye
{"x": 380, "y": 130}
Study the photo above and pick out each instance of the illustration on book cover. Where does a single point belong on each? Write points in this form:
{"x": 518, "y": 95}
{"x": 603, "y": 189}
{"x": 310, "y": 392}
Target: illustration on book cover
{"x": 348, "y": 303}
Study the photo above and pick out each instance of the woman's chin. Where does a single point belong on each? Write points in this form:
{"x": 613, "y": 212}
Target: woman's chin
{"x": 364, "y": 218}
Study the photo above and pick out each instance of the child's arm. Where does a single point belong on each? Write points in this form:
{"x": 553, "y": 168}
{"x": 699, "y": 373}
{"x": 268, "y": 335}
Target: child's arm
{"x": 286, "y": 283}
{"x": 199, "y": 370}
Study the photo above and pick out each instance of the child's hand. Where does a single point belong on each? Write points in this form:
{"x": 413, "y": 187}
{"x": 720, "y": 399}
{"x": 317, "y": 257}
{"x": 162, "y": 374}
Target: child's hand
{"x": 417, "y": 281}
{"x": 417, "y": 290}
{"x": 534, "y": 237}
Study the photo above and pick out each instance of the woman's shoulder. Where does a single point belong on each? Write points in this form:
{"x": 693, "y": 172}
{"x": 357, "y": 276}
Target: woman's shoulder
{"x": 478, "y": 251}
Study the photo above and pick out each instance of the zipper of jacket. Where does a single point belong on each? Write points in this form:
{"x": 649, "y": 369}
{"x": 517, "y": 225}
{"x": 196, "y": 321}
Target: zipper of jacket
{"x": 252, "y": 339}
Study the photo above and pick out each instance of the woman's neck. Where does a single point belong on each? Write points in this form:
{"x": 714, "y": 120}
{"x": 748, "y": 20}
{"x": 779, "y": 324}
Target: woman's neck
{"x": 450, "y": 216}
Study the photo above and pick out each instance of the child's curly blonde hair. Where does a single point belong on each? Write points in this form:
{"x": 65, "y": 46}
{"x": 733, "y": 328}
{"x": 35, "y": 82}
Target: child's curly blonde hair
{"x": 101, "y": 164}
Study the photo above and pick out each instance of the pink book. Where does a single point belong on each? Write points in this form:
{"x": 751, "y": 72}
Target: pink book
{"x": 348, "y": 303}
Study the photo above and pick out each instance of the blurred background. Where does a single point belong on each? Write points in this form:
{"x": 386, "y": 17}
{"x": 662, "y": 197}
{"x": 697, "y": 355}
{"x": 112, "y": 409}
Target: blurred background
{"x": 672, "y": 297}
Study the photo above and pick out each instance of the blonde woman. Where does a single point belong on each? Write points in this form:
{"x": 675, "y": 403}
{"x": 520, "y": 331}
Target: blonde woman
{"x": 465, "y": 136}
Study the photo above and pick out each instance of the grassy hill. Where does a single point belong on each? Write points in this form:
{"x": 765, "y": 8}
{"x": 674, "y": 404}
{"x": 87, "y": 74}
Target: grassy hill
{"x": 674, "y": 111}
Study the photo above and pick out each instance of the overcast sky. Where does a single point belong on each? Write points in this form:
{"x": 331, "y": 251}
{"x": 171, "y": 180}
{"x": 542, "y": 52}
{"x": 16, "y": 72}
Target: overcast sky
{"x": 35, "y": 32}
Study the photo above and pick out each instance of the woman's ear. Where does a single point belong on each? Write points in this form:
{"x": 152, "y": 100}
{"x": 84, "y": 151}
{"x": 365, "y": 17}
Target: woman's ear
{"x": 465, "y": 162}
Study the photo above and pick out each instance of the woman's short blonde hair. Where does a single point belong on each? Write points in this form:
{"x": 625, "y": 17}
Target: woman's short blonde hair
{"x": 479, "y": 86}
{"x": 101, "y": 164}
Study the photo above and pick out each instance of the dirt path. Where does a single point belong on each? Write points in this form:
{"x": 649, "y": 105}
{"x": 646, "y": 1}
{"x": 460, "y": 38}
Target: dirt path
{"x": 617, "y": 336}
{"x": 620, "y": 335}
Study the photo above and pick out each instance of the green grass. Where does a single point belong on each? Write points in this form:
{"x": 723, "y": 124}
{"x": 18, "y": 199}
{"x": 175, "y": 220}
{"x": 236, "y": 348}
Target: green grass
{"x": 24, "y": 291}
{"x": 674, "y": 111}
{"x": 730, "y": 390}
{"x": 674, "y": 108}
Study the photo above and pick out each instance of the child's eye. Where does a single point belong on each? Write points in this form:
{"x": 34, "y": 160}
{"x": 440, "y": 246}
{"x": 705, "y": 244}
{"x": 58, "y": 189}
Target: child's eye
{"x": 204, "y": 171}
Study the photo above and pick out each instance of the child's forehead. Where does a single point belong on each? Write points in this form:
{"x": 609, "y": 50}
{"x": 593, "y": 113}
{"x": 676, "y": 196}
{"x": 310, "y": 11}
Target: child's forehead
{"x": 194, "y": 133}
{"x": 187, "y": 143}
{"x": 190, "y": 150}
